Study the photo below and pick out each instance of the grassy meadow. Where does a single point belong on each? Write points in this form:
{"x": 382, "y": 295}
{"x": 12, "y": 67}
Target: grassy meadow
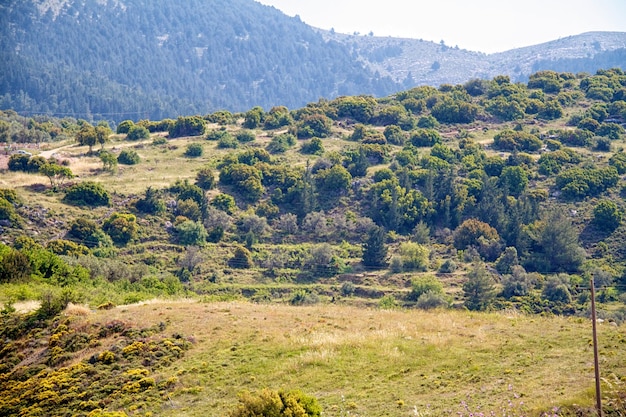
{"x": 371, "y": 362}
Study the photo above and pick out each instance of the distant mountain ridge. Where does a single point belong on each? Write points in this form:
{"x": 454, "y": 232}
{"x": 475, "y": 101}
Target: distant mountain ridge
{"x": 133, "y": 59}
{"x": 417, "y": 62}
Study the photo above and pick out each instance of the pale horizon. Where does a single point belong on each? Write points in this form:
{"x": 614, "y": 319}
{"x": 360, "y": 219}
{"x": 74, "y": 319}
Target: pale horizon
{"x": 487, "y": 26}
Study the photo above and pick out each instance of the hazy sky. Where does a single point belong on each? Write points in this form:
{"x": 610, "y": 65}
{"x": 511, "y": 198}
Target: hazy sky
{"x": 478, "y": 25}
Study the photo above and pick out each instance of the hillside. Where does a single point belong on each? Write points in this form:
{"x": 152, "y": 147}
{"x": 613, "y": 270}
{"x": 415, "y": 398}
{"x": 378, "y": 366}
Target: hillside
{"x": 355, "y": 221}
{"x": 416, "y": 62}
{"x": 136, "y": 60}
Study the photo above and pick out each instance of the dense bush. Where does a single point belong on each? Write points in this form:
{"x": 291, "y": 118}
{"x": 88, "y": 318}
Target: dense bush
{"x": 128, "y": 157}
{"x": 87, "y": 193}
{"x": 268, "y": 403}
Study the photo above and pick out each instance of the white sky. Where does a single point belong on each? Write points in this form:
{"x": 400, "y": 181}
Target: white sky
{"x": 478, "y": 25}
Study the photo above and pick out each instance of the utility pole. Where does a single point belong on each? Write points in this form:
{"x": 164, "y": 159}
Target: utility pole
{"x": 595, "y": 347}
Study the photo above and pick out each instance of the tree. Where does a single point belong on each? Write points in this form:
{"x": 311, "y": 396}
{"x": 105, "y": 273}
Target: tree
{"x": 468, "y": 233}
{"x": 191, "y": 233}
{"x": 513, "y": 180}
{"x": 87, "y": 136}
{"x": 194, "y": 150}
{"x": 187, "y": 126}
{"x": 124, "y": 127}
{"x": 225, "y": 203}
{"x": 479, "y": 289}
{"x": 555, "y": 245}
{"x": 122, "y": 227}
{"x": 102, "y": 134}
{"x": 128, "y": 157}
{"x": 109, "y": 161}
{"x": 57, "y": 174}
{"x": 607, "y": 216}
{"x": 205, "y": 178}
{"x": 557, "y": 289}
{"x": 423, "y": 285}
{"x": 137, "y": 132}
{"x": 87, "y": 193}
{"x": 150, "y": 203}
{"x": 414, "y": 256}
{"x": 374, "y": 249}
{"x": 87, "y": 232}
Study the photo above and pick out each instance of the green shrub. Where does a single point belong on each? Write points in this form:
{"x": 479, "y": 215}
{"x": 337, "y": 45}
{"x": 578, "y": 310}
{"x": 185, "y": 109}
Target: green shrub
{"x": 190, "y": 233}
{"x": 121, "y": 227}
{"x": 137, "y": 133}
{"x": 128, "y": 157}
{"x": 268, "y": 403}
{"x": 87, "y": 193}
{"x": 424, "y": 284}
{"x": 194, "y": 150}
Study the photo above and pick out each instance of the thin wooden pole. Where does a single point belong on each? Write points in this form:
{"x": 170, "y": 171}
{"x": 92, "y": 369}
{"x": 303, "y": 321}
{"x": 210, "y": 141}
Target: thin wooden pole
{"x": 596, "y": 362}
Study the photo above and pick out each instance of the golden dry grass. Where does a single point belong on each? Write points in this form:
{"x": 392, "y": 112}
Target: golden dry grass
{"x": 381, "y": 363}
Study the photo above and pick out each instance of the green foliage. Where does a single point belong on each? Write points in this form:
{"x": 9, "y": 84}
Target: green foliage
{"x": 375, "y": 249}
{"x": 57, "y": 174}
{"x": 191, "y": 233}
{"x": 187, "y": 126}
{"x": 425, "y": 284}
{"x": 128, "y": 157}
{"x": 137, "y": 132}
{"x": 205, "y": 178}
{"x": 511, "y": 140}
{"x": 268, "y": 403}
{"x": 314, "y": 126}
{"x": 479, "y": 289}
{"x": 18, "y": 162}
{"x": 424, "y": 137}
{"x": 109, "y": 161}
{"x": 312, "y": 147}
{"x": 122, "y": 227}
{"x": 557, "y": 289}
{"x": 242, "y": 259}
{"x": 555, "y": 244}
{"x": 607, "y": 215}
{"x": 577, "y": 183}
{"x": 245, "y": 136}
{"x": 87, "y": 193}
{"x": 277, "y": 117}
{"x": 253, "y": 118}
{"x": 514, "y": 180}
{"x": 14, "y": 266}
{"x": 414, "y": 256}
{"x": 470, "y": 231}
{"x": 333, "y": 181}
{"x": 66, "y": 247}
{"x": 395, "y": 135}
{"x": 88, "y": 233}
{"x": 151, "y": 203}
{"x": 618, "y": 160}
{"x": 281, "y": 143}
{"x": 124, "y": 127}
{"x": 194, "y": 150}
{"x": 224, "y": 202}
{"x": 184, "y": 190}
{"x": 8, "y": 213}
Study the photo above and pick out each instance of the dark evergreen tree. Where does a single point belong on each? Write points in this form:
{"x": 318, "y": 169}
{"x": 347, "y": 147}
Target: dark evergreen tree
{"x": 375, "y": 249}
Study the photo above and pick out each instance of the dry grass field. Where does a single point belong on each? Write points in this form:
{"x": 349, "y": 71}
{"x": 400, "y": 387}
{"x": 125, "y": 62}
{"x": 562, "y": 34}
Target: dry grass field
{"x": 369, "y": 362}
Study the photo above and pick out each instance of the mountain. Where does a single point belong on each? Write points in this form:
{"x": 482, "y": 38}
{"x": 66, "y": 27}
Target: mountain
{"x": 417, "y": 62}
{"x": 136, "y": 59}
{"x": 133, "y": 58}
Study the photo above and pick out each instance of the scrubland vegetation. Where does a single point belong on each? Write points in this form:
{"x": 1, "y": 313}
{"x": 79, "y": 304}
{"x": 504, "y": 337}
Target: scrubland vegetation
{"x": 427, "y": 253}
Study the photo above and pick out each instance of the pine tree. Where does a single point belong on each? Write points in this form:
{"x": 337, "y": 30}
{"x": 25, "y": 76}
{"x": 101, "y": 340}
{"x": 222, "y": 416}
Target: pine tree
{"x": 374, "y": 249}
